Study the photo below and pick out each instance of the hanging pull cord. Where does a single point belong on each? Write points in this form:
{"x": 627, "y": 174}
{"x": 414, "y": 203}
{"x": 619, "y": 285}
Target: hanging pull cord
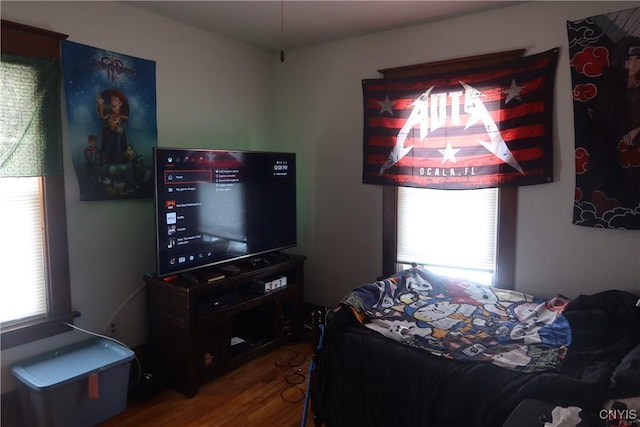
{"x": 282, "y": 30}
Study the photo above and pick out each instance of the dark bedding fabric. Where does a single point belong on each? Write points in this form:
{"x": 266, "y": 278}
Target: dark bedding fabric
{"x": 605, "y": 330}
{"x": 367, "y": 379}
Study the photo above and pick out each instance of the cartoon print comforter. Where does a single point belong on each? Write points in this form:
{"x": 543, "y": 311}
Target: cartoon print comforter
{"x": 462, "y": 320}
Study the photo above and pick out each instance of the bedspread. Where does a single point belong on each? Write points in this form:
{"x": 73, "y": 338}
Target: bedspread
{"x": 466, "y": 321}
{"x": 365, "y": 379}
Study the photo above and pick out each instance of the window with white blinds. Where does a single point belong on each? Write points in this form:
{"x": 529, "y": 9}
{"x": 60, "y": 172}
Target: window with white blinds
{"x": 451, "y": 232}
{"x": 23, "y": 287}
{"x": 35, "y": 291}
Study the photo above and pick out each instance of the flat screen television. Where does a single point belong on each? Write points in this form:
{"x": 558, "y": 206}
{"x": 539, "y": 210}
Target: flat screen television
{"x": 217, "y": 206}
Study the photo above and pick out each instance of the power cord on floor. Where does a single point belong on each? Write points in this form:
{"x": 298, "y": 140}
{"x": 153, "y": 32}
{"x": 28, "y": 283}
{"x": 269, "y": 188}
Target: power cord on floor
{"x": 293, "y": 393}
{"x": 139, "y": 366}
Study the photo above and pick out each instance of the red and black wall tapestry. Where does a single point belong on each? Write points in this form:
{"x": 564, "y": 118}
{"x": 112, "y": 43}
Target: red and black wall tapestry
{"x": 486, "y": 127}
{"x": 605, "y": 71}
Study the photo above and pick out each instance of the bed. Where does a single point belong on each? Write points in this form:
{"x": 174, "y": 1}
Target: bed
{"x": 419, "y": 349}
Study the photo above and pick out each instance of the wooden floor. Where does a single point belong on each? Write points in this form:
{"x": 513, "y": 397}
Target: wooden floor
{"x": 259, "y": 393}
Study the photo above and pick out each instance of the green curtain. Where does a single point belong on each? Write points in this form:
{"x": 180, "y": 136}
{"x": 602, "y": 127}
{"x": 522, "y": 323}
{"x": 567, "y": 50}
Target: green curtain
{"x": 30, "y": 123}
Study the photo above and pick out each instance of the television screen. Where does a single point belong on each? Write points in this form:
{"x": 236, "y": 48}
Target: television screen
{"x": 215, "y": 206}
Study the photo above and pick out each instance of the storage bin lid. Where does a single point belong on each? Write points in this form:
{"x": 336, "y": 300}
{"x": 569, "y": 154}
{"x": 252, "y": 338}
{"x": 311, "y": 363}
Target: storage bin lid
{"x": 63, "y": 365}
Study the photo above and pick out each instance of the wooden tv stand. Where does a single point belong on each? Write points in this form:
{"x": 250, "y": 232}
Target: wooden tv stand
{"x": 201, "y": 330}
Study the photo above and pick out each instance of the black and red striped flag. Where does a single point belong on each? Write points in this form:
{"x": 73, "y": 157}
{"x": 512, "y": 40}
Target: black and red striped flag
{"x": 487, "y": 127}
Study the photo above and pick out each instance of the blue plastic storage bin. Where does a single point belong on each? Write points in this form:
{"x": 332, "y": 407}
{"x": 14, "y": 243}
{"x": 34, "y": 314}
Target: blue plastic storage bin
{"x": 79, "y": 385}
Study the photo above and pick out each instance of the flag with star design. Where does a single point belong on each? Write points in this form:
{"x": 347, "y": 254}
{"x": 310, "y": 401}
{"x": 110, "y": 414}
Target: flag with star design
{"x": 487, "y": 127}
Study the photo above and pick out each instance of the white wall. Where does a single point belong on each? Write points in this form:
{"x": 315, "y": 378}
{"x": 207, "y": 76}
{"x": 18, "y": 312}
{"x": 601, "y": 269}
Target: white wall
{"x": 320, "y": 112}
{"x": 215, "y": 92}
{"x": 211, "y": 92}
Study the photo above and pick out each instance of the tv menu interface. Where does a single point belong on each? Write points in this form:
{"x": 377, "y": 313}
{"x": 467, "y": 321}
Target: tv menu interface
{"x": 217, "y": 205}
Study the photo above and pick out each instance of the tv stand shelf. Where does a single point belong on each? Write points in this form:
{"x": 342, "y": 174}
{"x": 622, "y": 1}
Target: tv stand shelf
{"x": 200, "y": 329}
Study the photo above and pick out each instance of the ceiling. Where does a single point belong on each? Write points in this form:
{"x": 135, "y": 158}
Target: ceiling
{"x": 273, "y": 25}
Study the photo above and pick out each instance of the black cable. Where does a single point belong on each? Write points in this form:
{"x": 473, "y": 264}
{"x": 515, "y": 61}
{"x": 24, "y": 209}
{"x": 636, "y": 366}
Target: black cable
{"x": 292, "y": 393}
{"x": 295, "y": 360}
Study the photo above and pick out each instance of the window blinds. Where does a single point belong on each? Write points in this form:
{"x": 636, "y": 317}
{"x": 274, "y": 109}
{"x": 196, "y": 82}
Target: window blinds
{"x": 448, "y": 228}
{"x": 22, "y": 290}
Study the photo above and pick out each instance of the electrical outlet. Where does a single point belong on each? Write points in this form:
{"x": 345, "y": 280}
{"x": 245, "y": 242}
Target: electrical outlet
{"x": 112, "y": 329}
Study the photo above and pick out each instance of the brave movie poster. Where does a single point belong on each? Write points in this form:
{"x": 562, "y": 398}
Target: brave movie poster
{"x": 111, "y": 109}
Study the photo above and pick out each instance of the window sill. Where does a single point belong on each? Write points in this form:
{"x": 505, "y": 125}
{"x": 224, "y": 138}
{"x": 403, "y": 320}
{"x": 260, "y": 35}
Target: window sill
{"x": 33, "y": 330}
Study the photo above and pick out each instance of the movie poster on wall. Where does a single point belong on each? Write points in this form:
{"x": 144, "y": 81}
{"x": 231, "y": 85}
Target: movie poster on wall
{"x": 604, "y": 54}
{"x": 111, "y": 109}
